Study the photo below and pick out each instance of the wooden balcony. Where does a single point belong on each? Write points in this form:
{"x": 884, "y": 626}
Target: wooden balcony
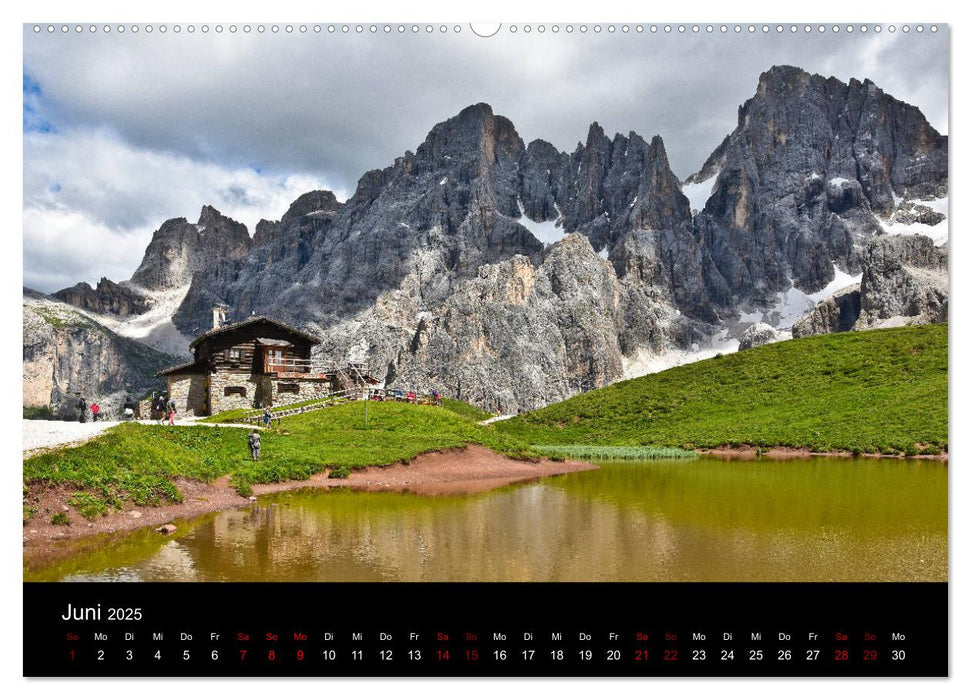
{"x": 290, "y": 367}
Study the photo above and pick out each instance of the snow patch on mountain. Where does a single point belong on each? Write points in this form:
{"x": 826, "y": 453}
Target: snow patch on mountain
{"x": 938, "y": 233}
{"x": 794, "y": 304}
{"x": 840, "y": 280}
{"x": 547, "y": 232}
{"x": 645, "y": 361}
{"x": 790, "y": 306}
{"x": 699, "y": 192}
{"x": 154, "y": 328}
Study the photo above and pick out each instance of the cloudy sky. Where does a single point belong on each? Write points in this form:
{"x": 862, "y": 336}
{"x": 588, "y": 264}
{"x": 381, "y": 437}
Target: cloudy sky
{"x": 123, "y": 131}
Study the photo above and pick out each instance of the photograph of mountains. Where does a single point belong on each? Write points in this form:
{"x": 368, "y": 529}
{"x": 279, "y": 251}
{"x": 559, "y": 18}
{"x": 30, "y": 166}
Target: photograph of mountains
{"x": 760, "y": 269}
{"x": 528, "y": 274}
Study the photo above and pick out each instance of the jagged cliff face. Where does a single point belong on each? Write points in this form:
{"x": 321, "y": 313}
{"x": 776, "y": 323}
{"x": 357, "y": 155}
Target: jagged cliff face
{"x": 459, "y": 202}
{"x": 515, "y": 275}
{"x": 66, "y": 352}
{"x": 800, "y": 184}
{"x": 904, "y": 281}
{"x": 397, "y": 268}
{"x": 179, "y": 249}
{"x": 107, "y": 298}
{"x": 515, "y": 336}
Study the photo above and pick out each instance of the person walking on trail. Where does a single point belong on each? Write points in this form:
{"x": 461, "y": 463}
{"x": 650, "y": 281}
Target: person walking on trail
{"x": 171, "y": 408}
{"x": 95, "y": 409}
{"x": 267, "y": 417}
{"x": 82, "y": 410}
{"x": 254, "y": 444}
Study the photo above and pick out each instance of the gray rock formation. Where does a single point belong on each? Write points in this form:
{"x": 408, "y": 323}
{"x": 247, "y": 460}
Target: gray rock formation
{"x": 516, "y": 336}
{"x": 393, "y": 267}
{"x": 759, "y": 334}
{"x": 433, "y": 274}
{"x": 66, "y": 352}
{"x": 801, "y": 180}
{"x": 905, "y": 281}
{"x": 107, "y": 298}
{"x": 913, "y": 213}
{"x": 179, "y": 249}
{"x": 834, "y": 314}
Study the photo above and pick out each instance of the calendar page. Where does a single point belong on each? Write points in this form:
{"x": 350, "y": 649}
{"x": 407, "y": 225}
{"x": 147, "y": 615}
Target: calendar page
{"x": 599, "y": 349}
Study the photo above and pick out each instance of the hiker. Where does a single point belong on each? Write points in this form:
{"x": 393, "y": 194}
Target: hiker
{"x": 171, "y": 408}
{"x": 160, "y": 405}
{"x": 411, "y": 397}
{"x": 435, "y": 396}
{"x": 397, "y": 396}
{"x": 267, "y": 417}
{"x": 254, "y": 444}
{"x": 82, "y": 410}
{"x": 95, "y": 409}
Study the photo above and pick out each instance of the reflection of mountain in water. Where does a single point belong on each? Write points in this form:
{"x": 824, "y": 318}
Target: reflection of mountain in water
{"x": 820, "y": 519}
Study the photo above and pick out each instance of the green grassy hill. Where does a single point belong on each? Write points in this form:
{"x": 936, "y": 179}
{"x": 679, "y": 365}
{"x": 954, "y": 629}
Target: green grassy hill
{"x": 466, "y": 410}
{"x": 137, "y": 463}
{"x": 872, "y": 391}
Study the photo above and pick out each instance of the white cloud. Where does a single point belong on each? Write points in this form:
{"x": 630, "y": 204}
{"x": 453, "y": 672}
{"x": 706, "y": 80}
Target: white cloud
{"x": 153, "y": 126}
{"x": 63, "y": 247}
{"x": 339, "y": 105}
{"x": 92, "y": 202}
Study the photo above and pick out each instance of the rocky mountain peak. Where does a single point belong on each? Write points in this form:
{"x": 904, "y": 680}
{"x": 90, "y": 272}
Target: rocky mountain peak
{"x": 521, "y": 275}
{"x": 804, "y": 178}
{"x": 657, "y": 152}
{"x": 209, "y": 214}
{"x": 781, "y": 79}
{"x": 595, "y": 136}
{"x": 475, "y": 132}
{"x": 212, "y": 220}
{"x": 107, "y": 298}
{"x": 314, "y": 203}
{"x": 179, "y": 249}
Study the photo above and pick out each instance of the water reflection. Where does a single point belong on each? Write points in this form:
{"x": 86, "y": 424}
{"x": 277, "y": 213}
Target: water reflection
{"x": 707, "y": 520}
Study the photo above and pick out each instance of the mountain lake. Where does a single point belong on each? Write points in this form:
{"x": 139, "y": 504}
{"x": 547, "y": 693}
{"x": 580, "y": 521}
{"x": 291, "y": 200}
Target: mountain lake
{"x": 709, "y": 519}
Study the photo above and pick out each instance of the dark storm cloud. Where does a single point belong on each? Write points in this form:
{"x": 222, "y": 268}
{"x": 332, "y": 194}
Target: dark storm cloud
{"x": 338, "y": 105}
{"x": 123, "y": 131}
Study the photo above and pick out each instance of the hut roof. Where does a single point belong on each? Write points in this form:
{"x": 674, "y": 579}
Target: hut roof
{"x": 185, "y": 367}
{"x": 251, "y": 320}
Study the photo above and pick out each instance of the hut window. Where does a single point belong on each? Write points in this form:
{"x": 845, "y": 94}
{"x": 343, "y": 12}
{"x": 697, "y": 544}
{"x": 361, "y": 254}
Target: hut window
{"x": 235, "y": 391}
{"x": 291, "y": 388}
{"x": 234, "y": 354}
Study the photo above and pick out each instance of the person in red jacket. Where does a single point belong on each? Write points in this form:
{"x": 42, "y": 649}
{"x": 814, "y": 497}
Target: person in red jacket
{"x": 95, "y": 408}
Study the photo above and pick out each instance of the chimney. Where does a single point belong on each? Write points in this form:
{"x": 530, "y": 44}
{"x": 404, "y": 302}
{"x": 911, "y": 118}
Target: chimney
{"x": 218, "y": 316}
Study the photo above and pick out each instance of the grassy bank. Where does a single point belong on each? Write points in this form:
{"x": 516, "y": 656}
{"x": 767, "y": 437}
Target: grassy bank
{"x": 599, "y": 453}
{"x": 875, "y": 391}
{"x": 137, "y": 463}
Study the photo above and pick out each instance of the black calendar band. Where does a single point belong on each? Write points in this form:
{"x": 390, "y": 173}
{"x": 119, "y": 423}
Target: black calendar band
{"x": 481, "y": 629}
